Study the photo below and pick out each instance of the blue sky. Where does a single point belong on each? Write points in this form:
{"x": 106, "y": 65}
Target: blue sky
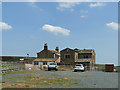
{"x": 27, "y": 26}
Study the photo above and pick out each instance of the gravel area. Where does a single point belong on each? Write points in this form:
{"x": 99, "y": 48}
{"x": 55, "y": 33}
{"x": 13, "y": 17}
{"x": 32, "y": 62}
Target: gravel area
{"x": 90, "y": 79}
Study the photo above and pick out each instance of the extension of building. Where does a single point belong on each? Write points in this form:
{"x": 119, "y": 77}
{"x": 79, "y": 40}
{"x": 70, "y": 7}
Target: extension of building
{"x": 66, "y": 56}
{"x": 76, "y": 56}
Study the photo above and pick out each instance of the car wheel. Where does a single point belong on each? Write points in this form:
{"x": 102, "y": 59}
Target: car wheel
{"x": 49, "y": 69}
{"x": 82, "y": 70}
{"x": 75, "y": 70}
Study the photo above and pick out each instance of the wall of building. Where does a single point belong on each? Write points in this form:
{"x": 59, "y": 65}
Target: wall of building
{"x": 40, "y": 64}
{"x": 93, "y": 58}
{"x": 65, "y": 60}
{"x": 88, "y": 56}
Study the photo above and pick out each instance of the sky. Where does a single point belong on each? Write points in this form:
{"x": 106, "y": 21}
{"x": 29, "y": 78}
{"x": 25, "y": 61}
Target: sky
{"x": 26, "y": 26}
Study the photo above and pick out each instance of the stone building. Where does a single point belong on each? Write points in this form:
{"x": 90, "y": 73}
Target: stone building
{"x": 46, "y": 56}
{"x": 65, "y": 57}
{"x": 76, "y": 56}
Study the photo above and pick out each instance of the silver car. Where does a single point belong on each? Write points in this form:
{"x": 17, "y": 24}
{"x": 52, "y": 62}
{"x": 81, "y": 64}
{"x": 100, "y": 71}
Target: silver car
{"x": 79, "y": 67}
{"x": 52, "y": 66}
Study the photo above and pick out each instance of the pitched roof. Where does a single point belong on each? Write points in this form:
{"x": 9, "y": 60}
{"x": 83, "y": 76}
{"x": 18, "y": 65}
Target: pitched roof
{"x": 83, "y": 60}
{"x": 84, "y": 50}
{"x": 80, "y": 50}
{"x": 53, "y": 51}
{"x": 44, "y": 59}
{"x": 48, "y": 60}
{"x": 67, "y": 49}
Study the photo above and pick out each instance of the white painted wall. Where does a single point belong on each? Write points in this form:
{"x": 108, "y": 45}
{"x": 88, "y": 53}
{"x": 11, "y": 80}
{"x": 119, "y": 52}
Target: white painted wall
{"x": 40, "y": 64}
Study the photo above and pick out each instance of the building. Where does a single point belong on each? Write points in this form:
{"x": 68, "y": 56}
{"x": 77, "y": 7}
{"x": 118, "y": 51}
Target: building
{"x": 46, "y": 56}
{"x": 76, "y": 56}
{"x": 65, "y": 57}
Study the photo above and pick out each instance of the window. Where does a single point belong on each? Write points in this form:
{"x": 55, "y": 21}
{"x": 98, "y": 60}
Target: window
{"x": 52, "y": 63}
{"x": 67, "y": 56}
{"x": 35, "y": 63}
{"x": 85, "y": 56}
{"x": 44, "y": 63}
{"x": 78, "y": 65}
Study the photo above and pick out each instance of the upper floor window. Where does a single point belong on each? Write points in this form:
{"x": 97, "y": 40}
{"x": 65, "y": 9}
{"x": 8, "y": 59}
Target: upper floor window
{"x": 67, "y": 56}
{"x": 85, "y": 56}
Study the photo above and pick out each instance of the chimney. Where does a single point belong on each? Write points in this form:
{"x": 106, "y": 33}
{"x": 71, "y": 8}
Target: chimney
{"x": 57, "y": 49}
{"x": 45, "y": 46}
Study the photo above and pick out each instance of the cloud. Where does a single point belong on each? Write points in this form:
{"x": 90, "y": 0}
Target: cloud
{"x": 67, "y": 5}
{"x": 56, "y": 30}
{"x": 113, "y": 25}
{"x": 4, "y": 26}
{"x": 32, "y": 4}
{"x": 83, "y": 16}
{"x": 98, "y": 4}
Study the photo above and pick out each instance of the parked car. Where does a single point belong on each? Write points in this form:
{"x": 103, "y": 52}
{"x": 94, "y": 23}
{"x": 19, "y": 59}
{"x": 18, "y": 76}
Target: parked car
{"x": 52, "y": 66}
{"x": 79, "y": 67}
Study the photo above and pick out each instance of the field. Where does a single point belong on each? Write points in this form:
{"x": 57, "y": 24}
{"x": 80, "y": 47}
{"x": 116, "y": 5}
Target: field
{"x": 59, "y": 79}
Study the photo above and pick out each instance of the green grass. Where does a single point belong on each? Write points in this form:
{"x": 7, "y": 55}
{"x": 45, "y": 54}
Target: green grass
{"x": 31, "y": 79}
{"x": 13, "y": 72}
{"x": 34, "y": 79}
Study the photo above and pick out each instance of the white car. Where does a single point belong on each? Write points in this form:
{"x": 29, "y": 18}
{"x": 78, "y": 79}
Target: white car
{"x": 52, "y": 66}
{"x": 79, "y": 67}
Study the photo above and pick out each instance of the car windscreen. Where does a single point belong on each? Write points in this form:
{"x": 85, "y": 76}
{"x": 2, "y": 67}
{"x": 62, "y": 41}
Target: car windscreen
{"x": 77, "y": 65}
{"x": 52, "y": 64}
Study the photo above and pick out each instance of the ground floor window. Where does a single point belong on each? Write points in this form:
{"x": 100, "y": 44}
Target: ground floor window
{"x": 35, "y": 63}
{"x": 44, "y": 63}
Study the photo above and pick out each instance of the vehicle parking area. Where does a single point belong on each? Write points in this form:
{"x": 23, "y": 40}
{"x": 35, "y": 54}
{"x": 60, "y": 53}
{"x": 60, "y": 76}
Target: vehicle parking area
{"x": 59, "y": 79}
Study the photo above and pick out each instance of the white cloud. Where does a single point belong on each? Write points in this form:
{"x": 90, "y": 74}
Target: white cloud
{"x": 67, "y": 5}
{"x": 83, "y": 16}
{"x": 113, "y": 25}
{"x": 56, "y": 30}
{"x": 98, "y": 4}
{"x": 32, "y": 4}
{"x": 4, "y": 26}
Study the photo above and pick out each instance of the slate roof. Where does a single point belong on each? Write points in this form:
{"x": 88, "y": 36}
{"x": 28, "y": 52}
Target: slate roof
{"x": 44, "y": 59}
{"x": 54, "y": 51}
{"x": 83, "y": 60}
{"x": 47, "y": 60}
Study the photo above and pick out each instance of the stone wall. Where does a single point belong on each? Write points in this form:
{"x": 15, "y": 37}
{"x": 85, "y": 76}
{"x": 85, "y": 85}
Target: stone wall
{"x": 70, "y": 60}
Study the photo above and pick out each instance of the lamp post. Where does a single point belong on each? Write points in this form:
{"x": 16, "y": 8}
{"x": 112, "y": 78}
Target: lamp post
{"x": 27, "y": 58}
{"x": 27, "y": 55}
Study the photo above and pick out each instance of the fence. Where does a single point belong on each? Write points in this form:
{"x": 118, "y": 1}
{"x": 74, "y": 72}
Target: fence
{"x": 11, "y": 66}
{"x": 95, "y": 68}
